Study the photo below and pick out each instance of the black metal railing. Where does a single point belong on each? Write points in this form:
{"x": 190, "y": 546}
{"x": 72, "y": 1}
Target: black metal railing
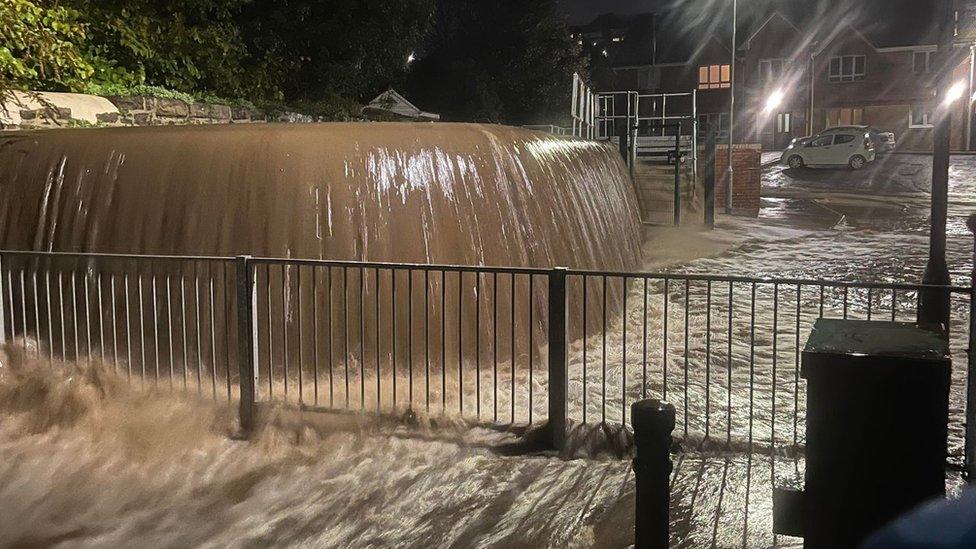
{"x": 504, "y": 346}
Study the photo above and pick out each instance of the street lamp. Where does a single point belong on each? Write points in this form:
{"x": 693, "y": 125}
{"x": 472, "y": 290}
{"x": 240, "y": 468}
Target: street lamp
{"x": 728, "y": 179}
{"x": 774, "y": 101}
{"x": 933, "y": 302}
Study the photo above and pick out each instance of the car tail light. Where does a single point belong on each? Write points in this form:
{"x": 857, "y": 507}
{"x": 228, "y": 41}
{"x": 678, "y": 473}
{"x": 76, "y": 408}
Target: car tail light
{"x": 868, "y": 145}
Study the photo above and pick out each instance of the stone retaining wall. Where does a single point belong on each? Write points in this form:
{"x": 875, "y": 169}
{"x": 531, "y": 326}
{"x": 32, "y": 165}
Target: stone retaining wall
{"x": 136, "y": 111}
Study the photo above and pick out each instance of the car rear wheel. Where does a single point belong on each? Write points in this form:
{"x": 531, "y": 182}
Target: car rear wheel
{"x": 795, "y": 161}
{"x": 857, "y": 162}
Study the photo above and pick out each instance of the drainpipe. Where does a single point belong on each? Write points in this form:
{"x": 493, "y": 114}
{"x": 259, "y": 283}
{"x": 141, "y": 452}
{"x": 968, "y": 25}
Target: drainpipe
{"x": 813, "y": 68}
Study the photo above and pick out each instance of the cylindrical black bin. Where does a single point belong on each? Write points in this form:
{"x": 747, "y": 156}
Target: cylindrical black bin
{"x": 877, "y": 413}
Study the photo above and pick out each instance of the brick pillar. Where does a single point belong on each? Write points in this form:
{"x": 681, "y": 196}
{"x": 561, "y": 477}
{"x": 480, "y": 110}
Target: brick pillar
{"x": 747, "y": 182}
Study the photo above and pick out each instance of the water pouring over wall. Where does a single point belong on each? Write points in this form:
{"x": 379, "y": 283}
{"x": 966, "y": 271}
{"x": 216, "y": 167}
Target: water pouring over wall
{"x": 419, "y": 193}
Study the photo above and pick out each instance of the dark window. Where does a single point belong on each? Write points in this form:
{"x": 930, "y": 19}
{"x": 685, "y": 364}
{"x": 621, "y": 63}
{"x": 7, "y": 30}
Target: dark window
{"x": 822, "y": 141}
{"x": 847, "y": 68}
{"x": 843, "y": 139}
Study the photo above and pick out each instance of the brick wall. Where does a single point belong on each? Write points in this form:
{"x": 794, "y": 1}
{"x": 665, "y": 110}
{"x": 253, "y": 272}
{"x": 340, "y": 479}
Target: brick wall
{"x": 747, "y": 177}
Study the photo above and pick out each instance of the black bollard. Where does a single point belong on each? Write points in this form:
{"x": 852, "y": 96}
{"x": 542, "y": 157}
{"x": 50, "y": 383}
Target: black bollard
{"x": 653, "y": 423}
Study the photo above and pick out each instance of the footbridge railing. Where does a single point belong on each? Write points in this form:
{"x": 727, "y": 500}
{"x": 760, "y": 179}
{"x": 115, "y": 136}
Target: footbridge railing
{"x": 500, "y": 346}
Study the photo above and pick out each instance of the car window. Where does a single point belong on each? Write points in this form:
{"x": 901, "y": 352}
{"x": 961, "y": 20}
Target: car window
{"x": 843, "y": 139}
{"x": 822, "y": 141}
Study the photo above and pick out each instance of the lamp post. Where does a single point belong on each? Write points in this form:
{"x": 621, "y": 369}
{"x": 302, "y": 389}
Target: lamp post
{"x": 933, "y": 303}
{"x": 728, "y": 177}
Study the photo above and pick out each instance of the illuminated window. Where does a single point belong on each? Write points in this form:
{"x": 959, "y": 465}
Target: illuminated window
{"x": 847, "y": 68}
{"x": 784, "y": 122}
{"x": 847, "y": 116}
{"x": 713, "y": 77}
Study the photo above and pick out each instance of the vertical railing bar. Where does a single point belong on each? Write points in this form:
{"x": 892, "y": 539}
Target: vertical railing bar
{"x": 427, "y": 341}
{"x": 687, "y": 326}
{"x": 512, "y": 350}
{"x": 182, "y": 319}
{"x": 247, "y": 338}
{"x": 494, "y": 346}
{"x": 228, "y": 303}
{"x": 37, "y": 312}
{"x": 115, "y": 334}
{"x": 772, "y": 415}
{"x": 213, "y": 333}
{"x": 268, "y": 291}
{"x": 128, "y": 326}
{"x": 603, "y": 383}
{"x": 285, "y": 310}
{"x": 64, "y": 343}
{"x": 23, "y": 307}
{"x": 664, "y": 340}
{"x": 586, "y": 343}
{"x": 330, "y": 324}
{"x": 728, "y": 409}
{"x": 752, "y": 365}
{"x": 644, "y": 343}
{"x": 531, "y": 303}
{"x": 199, "y": 325}
{"x": 301, "y": 342}
{"x": 155, "y": 309}
{"x": 345, "y": 332}
{"x": 623, "y": 360}
{"x": 142, "y": 325}
{"x": 315, "y": 335}
{"x": 393, "y": 328}
{"x": 796, "y": 368}
{"x": 50, "y": 320}
{"x": 10, "y": 299}
{"x": 3, "y": 310}
{"x": 169, "y": 325}
{"x": 870, "y": 295}
{"x": 444, "y": 341}
{"x": 376, "y": 291}
{"x": 410, "y": 339}
{"x": 708, "y": 358}
{"x": 87, "y": 318}
{"x": 74, "y": 312}
{"x": 846, "y": 291}
{"x": 460, "y": 332}
{"x": 362, "y": 338}
{"x": 894, "y": 303}
{"x": 821, "y": 300}
{"x": 477, "y": 330}
{"x": 101, "y": 319}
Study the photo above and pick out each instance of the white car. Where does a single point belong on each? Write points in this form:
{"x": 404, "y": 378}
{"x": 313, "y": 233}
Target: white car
{"x": 852, "y": 148}
{"x": 884, "y": 141}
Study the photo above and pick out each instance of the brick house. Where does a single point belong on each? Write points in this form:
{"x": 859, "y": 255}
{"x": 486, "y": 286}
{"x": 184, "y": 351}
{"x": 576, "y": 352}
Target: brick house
{"x": 881, "y": 73}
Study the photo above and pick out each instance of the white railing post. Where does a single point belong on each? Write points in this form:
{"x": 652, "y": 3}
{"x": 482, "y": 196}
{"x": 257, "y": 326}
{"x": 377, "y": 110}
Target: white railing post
{"x": 3, "y": 312}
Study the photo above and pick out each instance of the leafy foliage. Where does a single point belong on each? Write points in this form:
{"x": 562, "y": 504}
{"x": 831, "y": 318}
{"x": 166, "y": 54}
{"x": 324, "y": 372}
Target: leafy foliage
{"x": 41, "y": 46}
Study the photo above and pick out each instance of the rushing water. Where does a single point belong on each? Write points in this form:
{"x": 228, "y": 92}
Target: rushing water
{"x": 92, "y": 460}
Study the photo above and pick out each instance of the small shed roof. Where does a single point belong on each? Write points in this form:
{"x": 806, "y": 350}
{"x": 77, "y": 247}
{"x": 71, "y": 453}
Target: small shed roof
{"x": 393, "y": 103}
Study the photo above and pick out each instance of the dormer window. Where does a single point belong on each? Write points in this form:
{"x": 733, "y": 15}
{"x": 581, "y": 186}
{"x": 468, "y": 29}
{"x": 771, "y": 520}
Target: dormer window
{"x": 771, "y": 70}
{"x": 713, "y": 77}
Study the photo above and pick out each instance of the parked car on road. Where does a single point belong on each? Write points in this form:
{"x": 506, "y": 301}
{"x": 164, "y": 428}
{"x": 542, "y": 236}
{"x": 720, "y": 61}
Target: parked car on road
{"x": 836, "y": 147}
{"x": 884, "y": 141}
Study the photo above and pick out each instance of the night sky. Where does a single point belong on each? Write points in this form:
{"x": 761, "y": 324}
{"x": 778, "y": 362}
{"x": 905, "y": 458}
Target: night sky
{"x": 582, "y": 11}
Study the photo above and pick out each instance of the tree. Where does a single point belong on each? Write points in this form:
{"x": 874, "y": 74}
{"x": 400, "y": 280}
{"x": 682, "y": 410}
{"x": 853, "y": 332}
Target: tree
{"x": 337, "y": 48}
{"x": 505, "y": 61}
{"x": 40, "y": 47}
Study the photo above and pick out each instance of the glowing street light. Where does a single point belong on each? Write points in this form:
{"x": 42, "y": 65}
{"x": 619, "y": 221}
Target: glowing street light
{"x": 955, "y": 92}
{"x": 775, "y": 100}
{"x": 411, "y": 58}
